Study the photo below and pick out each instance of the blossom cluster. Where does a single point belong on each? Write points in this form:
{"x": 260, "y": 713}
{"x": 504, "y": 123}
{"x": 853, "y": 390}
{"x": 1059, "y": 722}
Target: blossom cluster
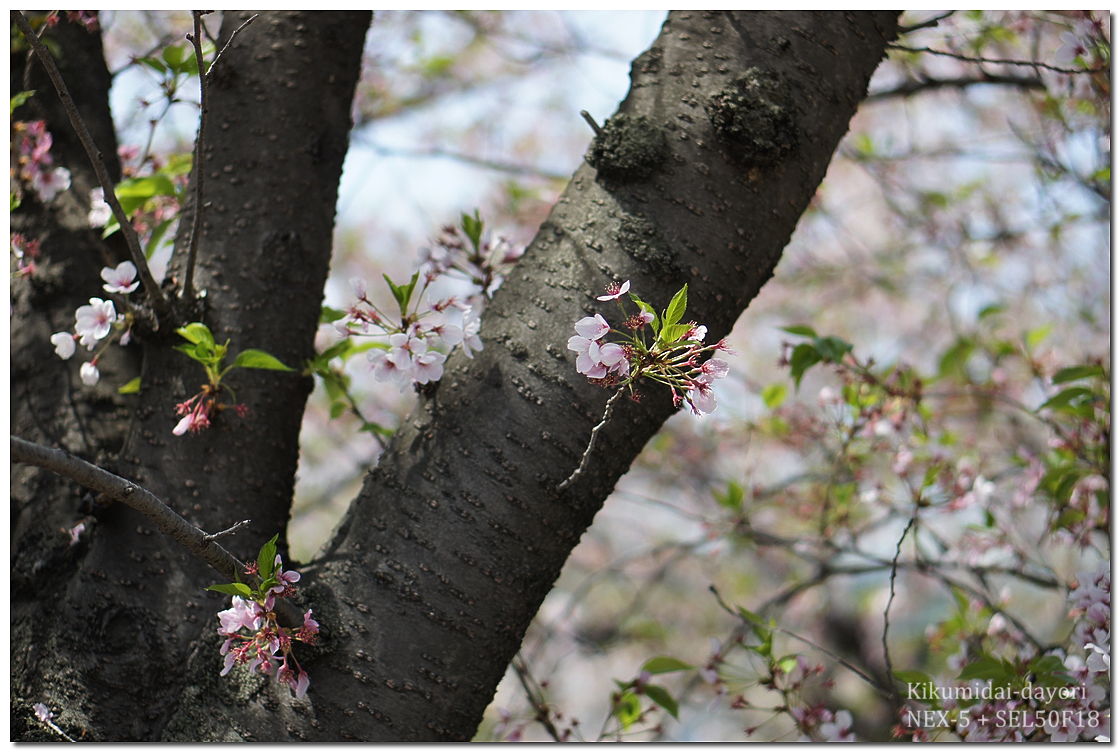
{"x": 465, "y": 252}
{"x": 98, "y": 324}
{"x": 658, "y": 348}
{"x": 36, "y": 166}
{"x": 418, "y": 339}
{"x": 25, "y": 250}
{"x": 253, "y": 637}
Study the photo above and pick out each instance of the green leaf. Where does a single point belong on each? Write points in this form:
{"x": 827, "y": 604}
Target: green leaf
{"x": 672, "y": 332}
{"x": 628, "y": 709}
{"x": 800, "y": 330}
{"x": 132, "y": 387}
{"x": 986, "y": 667}
{"x": 1074, "y": 373}
{"x": 330, "y": 315}
{"x": 337, "y": 409}
{"x": 953, "y": 360}
{"x": 832, "y": 349}
{"x": 676, "y": 309}
{"x": 266, "y": 558}
{"x": 1035, "y": 337}
{"x": 733, "y": 498}
{"x": 173, "y": 55}
{"x": 259, "y": 359}
{"x": 664, "y": 664}
{"x": 990, "y": 310}
{"x": 144, "y": 189}
{"x": 774, "y": 395}
{"x": 376, "y": 429}
{"x": 18, "y": 100}
{"x": 157, "y": 235}
{"x": 196, "y": 333}
{"x": 233, "y": 588}
{"x": 803, "y": 357}
{"x": 1074, "y": 395}
{"x": 472, "y": 228}
{"x": 662, "y": 698}
{"x": 154, "y": 64}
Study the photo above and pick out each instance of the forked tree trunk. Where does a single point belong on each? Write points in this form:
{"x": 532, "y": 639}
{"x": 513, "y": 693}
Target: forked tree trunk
{"x": 431, "y": 579}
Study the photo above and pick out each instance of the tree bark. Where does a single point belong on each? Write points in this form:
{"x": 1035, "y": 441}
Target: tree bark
{"x": 432, "y": 577}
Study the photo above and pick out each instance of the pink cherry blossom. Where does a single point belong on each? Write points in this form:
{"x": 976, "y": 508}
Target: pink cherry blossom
{"x": 93, "y": 321}
{"x": 99, "y": 211}
{"x": 64, "y": 346}
{"x": 701, "y": 398}
{"x": 244, "y": 613}
{"x": 428, "y": 367}
{"x": 122, "y": 279}
{"x": 839, "y": 729}
{"x": 89, "y": 374}
{"x": 592, "y": 327}
{"x": 49, "y": 183}
{"x": 471, "y": 326}
{"x": 615, "y": 291}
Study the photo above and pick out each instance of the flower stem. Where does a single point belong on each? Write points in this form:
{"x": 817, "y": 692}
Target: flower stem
{"x": 591, "y": 442}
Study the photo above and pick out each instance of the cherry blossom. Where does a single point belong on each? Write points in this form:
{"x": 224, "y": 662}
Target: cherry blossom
{"x": 99, "y": 211}
{"x": 89, "y": 373}
{"x": 49, "y": 183}
{"x": 122, "y": 279}
{"x": 93, "y": 321}
{"x": 64, "y": 346}
{"x": 839, "y": 729}
{"x": 471, "y": 326}
{"x": 615, "y": 291}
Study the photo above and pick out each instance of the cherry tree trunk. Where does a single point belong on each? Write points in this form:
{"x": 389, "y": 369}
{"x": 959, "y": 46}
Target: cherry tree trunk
{"x": 429, "y": 582}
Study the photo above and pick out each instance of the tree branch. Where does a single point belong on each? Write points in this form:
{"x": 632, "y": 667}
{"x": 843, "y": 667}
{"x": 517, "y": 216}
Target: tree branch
{"x": 995, "y": 60}
{"x": 155, "y": 295}
{"x": 919, "y": 85}
{"x": 169, "y": 522}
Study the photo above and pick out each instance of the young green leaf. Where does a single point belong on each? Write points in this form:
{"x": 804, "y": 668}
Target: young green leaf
{"x": 803, "y": 357}
{"x": 664, "y": 664}
{"x": 472, "y": 228}
{"x": 662, "y": 697}
{"x": 676, "y": 308}
{"x": 18, "y": 100}
{"x": 800, "y": 330}
{"x": 774, "y": 395}
{"x": 132, "y": 387}
{"x": 258, "y": 359}
{"x": 266, "y": 558}
{"x": 233, "y": 588}
{"x": 1074, "y": 373}
{"x": 196, "y": 333}
{"x": 328, "y": 315}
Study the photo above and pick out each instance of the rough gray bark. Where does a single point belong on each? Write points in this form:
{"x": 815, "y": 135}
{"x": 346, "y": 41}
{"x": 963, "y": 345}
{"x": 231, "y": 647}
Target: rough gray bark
{"x": 431, "y": 579}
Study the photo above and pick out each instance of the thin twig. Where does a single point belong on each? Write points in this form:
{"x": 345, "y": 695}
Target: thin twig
{"x": 871, "y": 681}
{"x": 995, "y": 60}
{"x": 229, "y": 41}
{"x": 591, "y": 121}
{"x": 436, "y": 152}
{"x": 228, "y": 531}
{"x": 917, "y": 86}
{"x": 535, "y": 696}
{"x": 591, "y": 443}
{"x": 927, "y": 24}
{"x": 199, "y": 166}
{"x": 155, "y": 295}
{"x": 146, "y": 503}
{"x": 890, "y": 598}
